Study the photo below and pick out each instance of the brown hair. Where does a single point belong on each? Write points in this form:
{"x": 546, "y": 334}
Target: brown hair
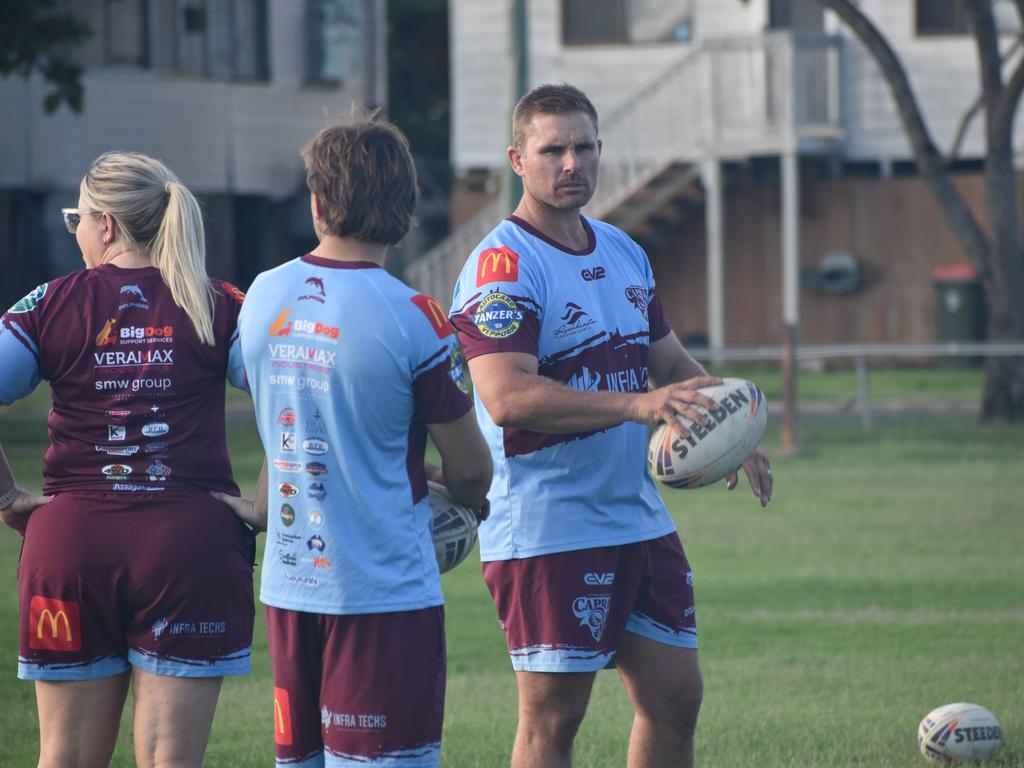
{"x": 364, "y": 176}
{"x": 549, "y": 100}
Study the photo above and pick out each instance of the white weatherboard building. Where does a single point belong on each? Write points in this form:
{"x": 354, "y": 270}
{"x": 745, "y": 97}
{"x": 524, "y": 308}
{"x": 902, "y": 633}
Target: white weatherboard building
{"x": 225, "y": 92}
{"x": 703, "y": 102}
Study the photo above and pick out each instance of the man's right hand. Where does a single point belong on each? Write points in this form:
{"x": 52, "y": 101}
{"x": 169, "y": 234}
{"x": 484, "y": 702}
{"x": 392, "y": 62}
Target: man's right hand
{"x": 673, "y": 400}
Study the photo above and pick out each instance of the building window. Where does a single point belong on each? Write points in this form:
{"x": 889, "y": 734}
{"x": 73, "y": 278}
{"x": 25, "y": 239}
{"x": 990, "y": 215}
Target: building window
{"x": 125, "y": 39}
{"x": 220, "y": 39}
{"x": 334, "y": 32}
{"x": 590, "y": 22}
{"x": 941, "y": 17}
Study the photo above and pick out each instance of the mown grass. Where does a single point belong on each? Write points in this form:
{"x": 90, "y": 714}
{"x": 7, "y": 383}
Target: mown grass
{"x": 885, "y": 579}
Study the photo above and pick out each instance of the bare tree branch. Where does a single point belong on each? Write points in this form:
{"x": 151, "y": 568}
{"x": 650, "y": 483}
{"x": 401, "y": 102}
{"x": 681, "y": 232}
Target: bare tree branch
{"x": 929, "y": 159}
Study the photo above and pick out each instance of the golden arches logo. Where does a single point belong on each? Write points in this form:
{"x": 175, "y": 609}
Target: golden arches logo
{"x": 55, "y": 623}
{"x": 497, "y": 264}
{"x": 282, "y": 717}
{"x": 435, "y": 314}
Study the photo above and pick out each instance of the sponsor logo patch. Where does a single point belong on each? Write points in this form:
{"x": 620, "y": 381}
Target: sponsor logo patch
{"x": 315, "y": 446}
{"x": 133, "y": 297}
{"x": 53, "y": 625}
{"x": 117, "y": 470}
{"x": 497, "y": 316}
{"x": 497, "y": 264}
{"x": 457, "y": 369}
{"x": 155, "y": 429}
{"x": 317, "y": 293}
{"x": 282, "y": 718}
{"x": 287, "y": 514}
{"x": 434, "y": 313}
{"x": 29, "y": 301}
{"x": 637, "y": 296}
{"x": 592, "y": 611}
{"x": 234, "y": 292}
{"x": 287, "y": 442}
{"x": 286, "y": 417}
{"x": 106, "y": 335}
{"x": 157, "y": 472}
{"x": 287, "y": 490}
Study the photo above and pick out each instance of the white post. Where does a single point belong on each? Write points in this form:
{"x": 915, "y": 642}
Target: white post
{"x": 712, "y": 178}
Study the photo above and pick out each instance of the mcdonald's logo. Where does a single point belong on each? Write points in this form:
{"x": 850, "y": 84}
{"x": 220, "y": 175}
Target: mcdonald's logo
{"x": 53, "y": 624}
{"x": 282, "y": 718}
{"x": 497, "y": 264}
{"x": 435, "y": 314}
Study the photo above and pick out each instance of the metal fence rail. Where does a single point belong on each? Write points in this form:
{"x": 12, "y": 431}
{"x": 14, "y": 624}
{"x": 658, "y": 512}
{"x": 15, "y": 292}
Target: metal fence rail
{"x": 860, "y": 353}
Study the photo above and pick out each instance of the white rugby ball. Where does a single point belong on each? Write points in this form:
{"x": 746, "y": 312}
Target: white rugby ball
{"x": 712, "y": 452}
{"x": 455, "y": 527}
{"x": 958, "y": 732}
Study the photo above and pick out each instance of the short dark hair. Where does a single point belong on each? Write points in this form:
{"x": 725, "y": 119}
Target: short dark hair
{"x": 549, "y": 100}
{"x": 364, "y": 175}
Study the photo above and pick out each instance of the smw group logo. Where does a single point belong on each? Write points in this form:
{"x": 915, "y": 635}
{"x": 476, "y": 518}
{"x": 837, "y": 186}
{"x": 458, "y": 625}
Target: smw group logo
{"x": 53, "y": 625}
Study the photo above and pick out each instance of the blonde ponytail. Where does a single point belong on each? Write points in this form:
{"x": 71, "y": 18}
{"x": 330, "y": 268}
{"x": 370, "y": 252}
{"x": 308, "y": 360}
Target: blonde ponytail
{"x": 179, "y": 252}
{"x": 154, "y": 212}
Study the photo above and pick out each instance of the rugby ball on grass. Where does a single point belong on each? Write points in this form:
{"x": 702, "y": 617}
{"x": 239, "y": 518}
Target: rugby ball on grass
{"x": 455, "y": 527}
{"x": 958, "y": 732}
{"x": 710, "y": 452}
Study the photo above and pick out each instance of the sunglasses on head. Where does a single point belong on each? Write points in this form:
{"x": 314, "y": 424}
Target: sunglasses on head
{"x": 72, "y": 218}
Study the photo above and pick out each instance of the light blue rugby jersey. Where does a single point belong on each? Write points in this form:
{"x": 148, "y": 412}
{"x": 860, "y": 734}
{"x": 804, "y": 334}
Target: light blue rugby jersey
{"x": 346, "y": 365}
{"x": 588, "y": 317}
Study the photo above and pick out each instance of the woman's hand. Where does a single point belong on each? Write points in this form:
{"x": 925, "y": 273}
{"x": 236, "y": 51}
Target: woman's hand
{"x": 16, "y": 514}
{"x": 245, "y": 509}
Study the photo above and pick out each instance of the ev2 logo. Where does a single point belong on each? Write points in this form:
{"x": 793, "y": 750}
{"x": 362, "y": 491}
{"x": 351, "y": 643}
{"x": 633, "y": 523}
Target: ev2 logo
{"x": 597, "y": 273}
{"x": 599, "y": 579}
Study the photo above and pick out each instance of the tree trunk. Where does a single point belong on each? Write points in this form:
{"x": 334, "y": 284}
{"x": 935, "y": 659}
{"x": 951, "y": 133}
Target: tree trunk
{"x": 999, "y": 255}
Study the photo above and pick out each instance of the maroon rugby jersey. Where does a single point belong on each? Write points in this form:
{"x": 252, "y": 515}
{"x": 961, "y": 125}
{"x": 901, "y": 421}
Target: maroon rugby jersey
{"x": 138, "y": 399}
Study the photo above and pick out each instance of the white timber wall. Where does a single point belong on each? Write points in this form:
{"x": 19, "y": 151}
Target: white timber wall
{"x": 216, "y": 135}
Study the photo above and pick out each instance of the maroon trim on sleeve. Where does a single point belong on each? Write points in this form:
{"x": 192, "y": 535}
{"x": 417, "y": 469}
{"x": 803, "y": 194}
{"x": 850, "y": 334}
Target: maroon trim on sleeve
{"x": 656, "y": 319}
{"x": 474, "y": 343}
{"x": 414, "y": 460}
{"x": 437, "y": 398}
{"x": 320, "y": 261}
{"x": 591, "y": 239}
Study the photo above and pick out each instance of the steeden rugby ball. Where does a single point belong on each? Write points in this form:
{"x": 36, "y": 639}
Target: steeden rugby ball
{"x": 710, "y": 452}
{"x": 957, "y": 732}
{"x": 455, "y": 527}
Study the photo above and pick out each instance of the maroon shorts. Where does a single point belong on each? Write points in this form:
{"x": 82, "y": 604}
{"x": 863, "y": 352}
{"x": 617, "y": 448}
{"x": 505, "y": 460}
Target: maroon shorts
{"x": 159, "y": 582}
{"x": 357, "y": 689}
{"x": 566, "y": 612}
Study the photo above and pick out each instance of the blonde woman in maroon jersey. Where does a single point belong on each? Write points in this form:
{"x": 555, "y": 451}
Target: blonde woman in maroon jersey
{"x": 132, "y": 575}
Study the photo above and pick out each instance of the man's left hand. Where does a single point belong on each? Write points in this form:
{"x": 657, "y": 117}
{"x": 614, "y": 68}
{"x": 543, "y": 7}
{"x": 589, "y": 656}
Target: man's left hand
{"x": 759, "y": 473}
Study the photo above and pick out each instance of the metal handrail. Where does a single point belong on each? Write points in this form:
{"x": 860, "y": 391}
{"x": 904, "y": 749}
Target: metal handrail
{"x": 726, "y": 97}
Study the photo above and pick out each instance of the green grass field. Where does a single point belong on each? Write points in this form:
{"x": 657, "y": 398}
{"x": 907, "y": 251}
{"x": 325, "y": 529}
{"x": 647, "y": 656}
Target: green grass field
{"x": 885, "y": 579}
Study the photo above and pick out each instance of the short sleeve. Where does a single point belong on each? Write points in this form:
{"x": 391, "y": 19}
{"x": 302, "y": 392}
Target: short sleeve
{"x": 496, "y": 307}
{"x": 440, "y": 388}
{"x": 19, "y": 368}
{"x": 19, "y": 346}
{"x": 236, "y": 365}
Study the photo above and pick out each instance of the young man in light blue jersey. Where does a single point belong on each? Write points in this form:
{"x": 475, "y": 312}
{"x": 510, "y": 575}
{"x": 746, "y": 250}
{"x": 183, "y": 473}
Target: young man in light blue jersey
{"x": 350, "y": 370}
{"x": 571, "y": 357}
